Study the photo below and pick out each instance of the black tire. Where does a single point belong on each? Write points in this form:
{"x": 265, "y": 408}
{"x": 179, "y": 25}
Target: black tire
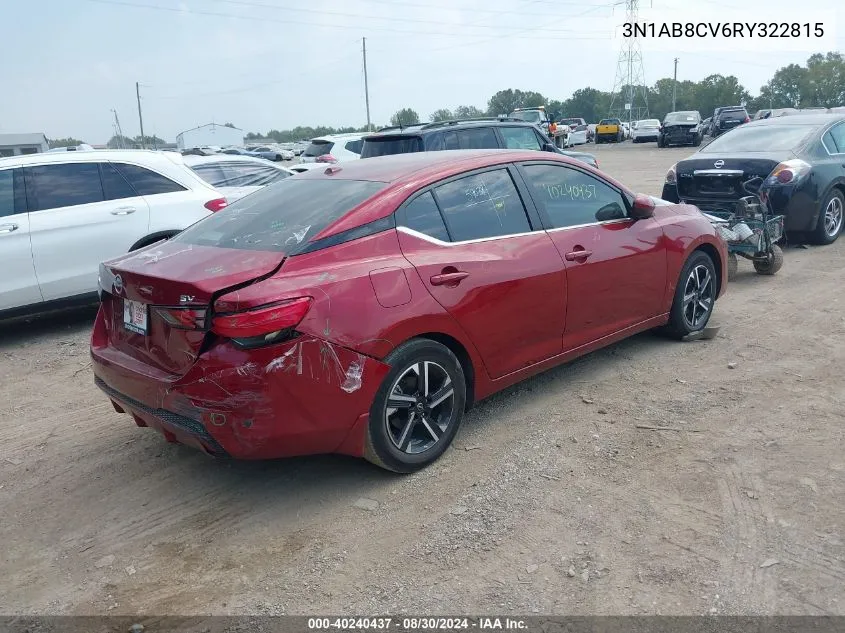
{"x": 733, "y": 266}
{"x": 680, "y": 324}
{"x": 772, "y": 264}
{"x": 697, "y": 142}
{"x": 660, "y": 142}
{"x": 391, "y": 437}
{"x": 827, "y": 229}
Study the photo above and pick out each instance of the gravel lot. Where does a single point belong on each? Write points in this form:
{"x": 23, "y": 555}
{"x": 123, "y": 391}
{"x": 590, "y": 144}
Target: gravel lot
{"x": 551, "y": 501}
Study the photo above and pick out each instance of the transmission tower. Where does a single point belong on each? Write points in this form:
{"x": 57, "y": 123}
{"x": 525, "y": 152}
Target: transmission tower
{"x": 629, "y": 83}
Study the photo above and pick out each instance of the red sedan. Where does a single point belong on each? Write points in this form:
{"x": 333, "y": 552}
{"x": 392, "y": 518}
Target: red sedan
{"x": 362, "y": 309}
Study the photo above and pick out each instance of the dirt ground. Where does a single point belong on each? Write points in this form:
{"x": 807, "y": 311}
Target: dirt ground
{"x": 551, "y": 501}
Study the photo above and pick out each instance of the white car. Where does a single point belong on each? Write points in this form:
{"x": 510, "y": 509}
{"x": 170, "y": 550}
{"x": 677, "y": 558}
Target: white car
{"x": 236, "y": 176}
{"x": 577, "y": 135}
{"x": 63, "y": 213}
{"x": 645, "y": 130}
{"x": 336, "y": 148}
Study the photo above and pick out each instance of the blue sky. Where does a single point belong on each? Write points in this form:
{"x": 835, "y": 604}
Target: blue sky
{"x": 265, "y": 64}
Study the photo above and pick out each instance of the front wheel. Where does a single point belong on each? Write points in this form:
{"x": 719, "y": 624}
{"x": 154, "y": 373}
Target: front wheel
{"x": 418, "y": 408}
{"x": 695, "y": 296}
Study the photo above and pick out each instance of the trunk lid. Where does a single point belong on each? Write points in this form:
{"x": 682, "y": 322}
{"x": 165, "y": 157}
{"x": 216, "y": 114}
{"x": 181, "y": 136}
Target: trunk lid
{"x": 170, "y": 288}
{"x": 716, "y": 178}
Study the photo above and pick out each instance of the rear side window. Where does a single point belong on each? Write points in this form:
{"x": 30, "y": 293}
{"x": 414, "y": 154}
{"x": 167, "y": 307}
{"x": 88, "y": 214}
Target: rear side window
{"x": 65, "y": 185}
{"x": 146, "y": 182}
{"x": 422, "y": 215}
{"x": 7, "y": 192}
{"x": 731, "y": 115}
{"x": 482, "y": 205}
{"x": 389, "y": 145}
{"x": 519, "y": 138}
{"x": 115, "y": 186}
{"x": 477, "y": 138}
{"x": 282, "y": 217}
{"x": 837, "y": 135}
{"x": 354, "y": 146}
{"x": 318, "y": 148}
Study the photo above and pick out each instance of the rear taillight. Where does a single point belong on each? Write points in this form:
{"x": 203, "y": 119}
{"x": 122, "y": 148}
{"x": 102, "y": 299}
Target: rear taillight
{"x": 671, "y": 176}
{"x": 788, "y": 172}
{"x": 264, "y": 325}
{"x": 216, "y": 205}
{"x": 326, "y": 158}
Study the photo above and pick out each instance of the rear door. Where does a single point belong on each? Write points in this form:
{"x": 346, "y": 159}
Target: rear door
{"x": 615, "y": 266}
{"x": 18, "y": 283}
{"x": 497, "y": 273}
{"x": 80, "y": 215}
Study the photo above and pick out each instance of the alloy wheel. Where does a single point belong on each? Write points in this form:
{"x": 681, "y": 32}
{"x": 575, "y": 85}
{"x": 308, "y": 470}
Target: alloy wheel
{"x": 833, "y": 217}
{"x": 699, "y": 296}
{"x": 420, "y": 407}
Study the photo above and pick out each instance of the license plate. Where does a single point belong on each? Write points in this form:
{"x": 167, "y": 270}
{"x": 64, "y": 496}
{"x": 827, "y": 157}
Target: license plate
{"x": 135, "y": 316}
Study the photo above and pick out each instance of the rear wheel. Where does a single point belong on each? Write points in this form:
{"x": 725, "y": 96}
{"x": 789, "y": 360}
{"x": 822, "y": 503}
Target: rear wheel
{"x": 695, "y": 296}
{"x": 661, "y": 142}
{"x": 697, "y": 142}
{"x": 830, "y": 221}
{"x": 418, "y": 408}
{"x": 772, "y": 263}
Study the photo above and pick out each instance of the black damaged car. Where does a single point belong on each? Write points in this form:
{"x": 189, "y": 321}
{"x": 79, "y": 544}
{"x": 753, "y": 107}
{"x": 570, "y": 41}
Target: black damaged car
{"x": 801, "y": 159}
{"x": 681, "y": 128}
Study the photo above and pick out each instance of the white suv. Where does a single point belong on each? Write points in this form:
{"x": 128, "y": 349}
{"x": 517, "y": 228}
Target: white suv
{"x": 62, "y": 214}
{"x": 336, "y": 148}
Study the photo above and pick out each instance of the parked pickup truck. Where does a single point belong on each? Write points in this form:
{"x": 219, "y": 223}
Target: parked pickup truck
{"x": 609, "y": 131}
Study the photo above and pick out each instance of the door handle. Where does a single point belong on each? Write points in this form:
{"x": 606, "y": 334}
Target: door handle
{"x": 8, "y": 228}
{"x": 446, "y": 279}
{"x": 123, "y": 211}
{"x": 578, "y": 254}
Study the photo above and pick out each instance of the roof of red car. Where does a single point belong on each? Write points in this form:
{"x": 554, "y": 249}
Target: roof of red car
{"x": 404, "y": 174}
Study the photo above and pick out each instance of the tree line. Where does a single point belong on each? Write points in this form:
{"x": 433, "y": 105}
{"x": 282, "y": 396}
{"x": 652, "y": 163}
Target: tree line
{"x": 819, "y": 83}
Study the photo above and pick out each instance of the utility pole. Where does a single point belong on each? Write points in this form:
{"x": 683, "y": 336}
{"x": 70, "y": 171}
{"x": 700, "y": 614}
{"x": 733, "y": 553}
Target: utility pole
{"x": 366, "y": 87}
{"x": 140, "y": 118}
{"x": 118, "y": 132}
{"x": 630, "y": 73}
{"x": 675, "y": 85}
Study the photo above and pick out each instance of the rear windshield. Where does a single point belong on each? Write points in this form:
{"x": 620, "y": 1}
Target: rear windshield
{"x": 389, "y": 145}
{"x": 570, "y": 121}
{"x": 734, "y": 113}
{"x": 318, "y": 148}
{"x": 282, "y": 217}
{"x": 532, "y": 116}
{"x": 760, "y": 138}
{"x": 609, "y": 122}
{"x": 682, "y": 117}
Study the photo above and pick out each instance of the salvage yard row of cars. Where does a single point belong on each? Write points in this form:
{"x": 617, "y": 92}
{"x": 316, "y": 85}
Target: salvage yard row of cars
{"x": 361, "y": 307}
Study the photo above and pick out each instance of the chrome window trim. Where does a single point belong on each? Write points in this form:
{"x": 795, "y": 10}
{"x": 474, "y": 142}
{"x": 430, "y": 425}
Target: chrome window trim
{"x": 434, "y": 240}
{"x": 581, "y": 226}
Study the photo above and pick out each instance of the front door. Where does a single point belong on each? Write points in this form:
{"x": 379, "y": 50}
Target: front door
{"x": 78, "y": 220}
{"x": 615, "y": 266}
{"x": 18, "y": 283}
{"x": 498, "y": 276}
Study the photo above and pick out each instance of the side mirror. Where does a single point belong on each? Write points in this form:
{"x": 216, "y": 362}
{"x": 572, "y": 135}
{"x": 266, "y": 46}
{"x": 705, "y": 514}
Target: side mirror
{"x": 548, "y": 147}
{"x": 643, "y": 207}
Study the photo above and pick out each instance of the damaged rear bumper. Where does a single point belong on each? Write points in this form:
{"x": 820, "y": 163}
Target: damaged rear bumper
{"x": 305, "y": 396}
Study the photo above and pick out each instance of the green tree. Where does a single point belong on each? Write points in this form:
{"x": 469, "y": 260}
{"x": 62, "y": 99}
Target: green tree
{"x": 443, "y": 114}
{"x": 405, "y": 116}
{"x": 63, "y": 142}
{"x": 232, "y": 125}
{"x": 717, "y": 90}
{"x": 506, "y": 101}
{"x": 588, "y": 103}
{"x": 468, "y": 112}
{"x": 825, "y": 81}
{"x": 788, "y": 88}
{"x": 121, "y": 142}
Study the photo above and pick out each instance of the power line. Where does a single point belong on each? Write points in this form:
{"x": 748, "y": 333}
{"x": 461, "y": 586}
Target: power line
{"x": 333, "y": 26}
